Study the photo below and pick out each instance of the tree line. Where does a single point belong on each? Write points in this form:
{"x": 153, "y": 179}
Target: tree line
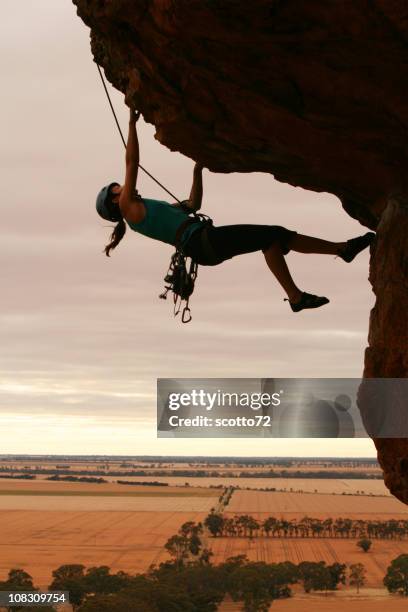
{"x": 245, "y": 525}
{"x": 197, "y": 473}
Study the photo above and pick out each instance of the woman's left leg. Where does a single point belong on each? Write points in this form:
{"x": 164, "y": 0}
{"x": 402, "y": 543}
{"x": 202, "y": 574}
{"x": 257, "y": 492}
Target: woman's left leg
{"x": 275, "y": 242}
{"x": 308, "y": 244}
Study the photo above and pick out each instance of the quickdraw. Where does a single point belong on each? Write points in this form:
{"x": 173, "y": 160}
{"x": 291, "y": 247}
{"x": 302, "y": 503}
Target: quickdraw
{"x": 181, "y": 276}
{"x": 180, "y": 279}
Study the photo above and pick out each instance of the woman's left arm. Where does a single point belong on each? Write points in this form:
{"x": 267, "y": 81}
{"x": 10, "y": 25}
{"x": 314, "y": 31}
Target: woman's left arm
{"x": 196, "y": 194}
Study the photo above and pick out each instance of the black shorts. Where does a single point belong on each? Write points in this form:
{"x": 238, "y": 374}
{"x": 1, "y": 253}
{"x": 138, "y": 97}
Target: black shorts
{"x": 228, "y": 241}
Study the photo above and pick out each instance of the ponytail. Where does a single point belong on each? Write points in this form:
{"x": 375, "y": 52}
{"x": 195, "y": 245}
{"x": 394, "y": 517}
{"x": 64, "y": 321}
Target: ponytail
{"x": 116, "y": 236}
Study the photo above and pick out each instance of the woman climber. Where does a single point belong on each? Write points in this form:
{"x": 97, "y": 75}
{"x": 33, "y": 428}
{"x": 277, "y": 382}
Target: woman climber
{"x": 206, "y": 244}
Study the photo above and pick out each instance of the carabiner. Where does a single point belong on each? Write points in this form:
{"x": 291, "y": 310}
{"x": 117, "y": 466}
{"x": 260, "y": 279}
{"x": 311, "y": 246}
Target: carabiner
{"x": 186, "y": 312}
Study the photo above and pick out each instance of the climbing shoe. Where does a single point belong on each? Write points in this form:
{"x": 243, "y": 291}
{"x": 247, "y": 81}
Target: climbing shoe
{"x": 308, "y": 300}
{"x": 355, "y": 246}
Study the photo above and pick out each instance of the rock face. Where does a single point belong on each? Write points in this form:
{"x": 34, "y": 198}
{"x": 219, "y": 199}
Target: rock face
{"x": 315, "y": 93}
{"x": 387, "y": 353}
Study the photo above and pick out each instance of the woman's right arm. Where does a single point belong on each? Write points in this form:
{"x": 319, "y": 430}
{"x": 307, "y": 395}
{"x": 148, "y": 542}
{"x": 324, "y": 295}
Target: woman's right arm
{"x": 132, "y": 210}
{"x": 196, "y": 194}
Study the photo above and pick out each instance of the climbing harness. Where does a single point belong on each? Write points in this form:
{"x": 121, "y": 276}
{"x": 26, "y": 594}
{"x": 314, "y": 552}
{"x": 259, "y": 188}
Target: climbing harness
{"x": 181, "y": 276}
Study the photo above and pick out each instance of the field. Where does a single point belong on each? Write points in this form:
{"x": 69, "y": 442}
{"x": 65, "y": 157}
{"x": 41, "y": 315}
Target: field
{"x": 49, "y": 487}
{"x": 393, "y": 604}
{"x": 234, "y": 468}
{"x": 253, "y": 502}
{"x": 48, "y": 495}
{"x": 370, "y": 600}
{"x": 331, "y": 550}
{"x": 40, "y": 541}
{"x": 83, "y": 503}
{"x": 311, "y": 485}
{"x": 44, "y": 524}
{"x": 296, "y": 505}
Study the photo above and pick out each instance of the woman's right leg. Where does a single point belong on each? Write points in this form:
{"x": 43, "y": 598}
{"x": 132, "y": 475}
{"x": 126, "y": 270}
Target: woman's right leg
{"x": 272, "y": 240}
{"x": 277, "y": 264}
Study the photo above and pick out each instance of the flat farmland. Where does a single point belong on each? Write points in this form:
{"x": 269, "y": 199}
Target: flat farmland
{"x": 106, "y": 503}
{"x": 40, "y": 541}
{"x": 44, "y": 524}
{"x": 49, "y": 487}
{"x": 331, "y": 550}
{"x": 308, "y": 485}
{"x": 368, "y": 600}
{"x": 111, "y": 464}
{"x": 50, "y": 495}
{"x": 296, "y": 505}
{"x": 328, "y": 604}
{"x": 279, "y": 503}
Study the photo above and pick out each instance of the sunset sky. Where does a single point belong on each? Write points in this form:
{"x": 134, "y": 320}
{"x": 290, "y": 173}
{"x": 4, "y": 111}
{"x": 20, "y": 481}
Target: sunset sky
{"x": 85, "y": 337}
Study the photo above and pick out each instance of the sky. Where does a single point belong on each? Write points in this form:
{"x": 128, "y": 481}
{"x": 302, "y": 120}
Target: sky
{"x": 84, "y": 337}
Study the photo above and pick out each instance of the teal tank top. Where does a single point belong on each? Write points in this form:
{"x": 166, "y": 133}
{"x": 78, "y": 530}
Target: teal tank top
{"x": 162, "y": 221}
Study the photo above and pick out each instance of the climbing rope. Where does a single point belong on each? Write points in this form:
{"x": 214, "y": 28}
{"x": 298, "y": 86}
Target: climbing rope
{"x": 123, "y": 140}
